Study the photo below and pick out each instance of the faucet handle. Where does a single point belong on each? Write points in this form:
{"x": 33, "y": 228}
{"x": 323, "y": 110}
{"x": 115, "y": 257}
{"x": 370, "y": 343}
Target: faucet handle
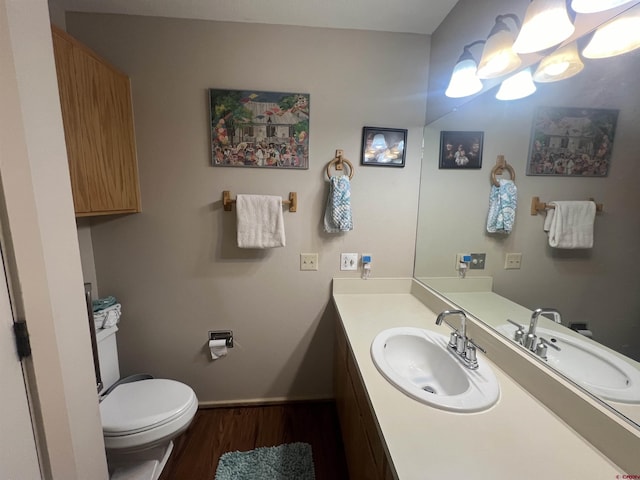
{"x": 519, "y": 333}
{"x": 550, "y": 344}
{"x": 470, "y": 354}
{"x": 471, "y": 343}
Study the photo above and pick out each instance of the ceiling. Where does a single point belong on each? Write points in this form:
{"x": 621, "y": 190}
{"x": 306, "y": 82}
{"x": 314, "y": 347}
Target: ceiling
{"x": 410, "y": 16}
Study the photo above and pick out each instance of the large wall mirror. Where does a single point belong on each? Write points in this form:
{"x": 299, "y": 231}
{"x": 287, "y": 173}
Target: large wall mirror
{"x": 599, "y": 286}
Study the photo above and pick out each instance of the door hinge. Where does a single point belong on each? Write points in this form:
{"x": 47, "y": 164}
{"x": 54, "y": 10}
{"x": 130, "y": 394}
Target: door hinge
{"x": 22, "y": 339}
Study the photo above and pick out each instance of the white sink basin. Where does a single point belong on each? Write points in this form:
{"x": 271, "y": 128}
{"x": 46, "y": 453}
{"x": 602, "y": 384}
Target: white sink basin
{"x": 588, "y": 364}
{"x": 417, "y": 362}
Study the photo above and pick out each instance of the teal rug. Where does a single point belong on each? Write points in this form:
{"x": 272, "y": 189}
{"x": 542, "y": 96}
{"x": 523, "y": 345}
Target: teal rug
{"x": 291, "y": 461}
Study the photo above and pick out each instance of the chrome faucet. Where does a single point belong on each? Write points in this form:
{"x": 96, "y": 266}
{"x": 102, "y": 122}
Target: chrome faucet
{"x": 463, "y": 347}
{"x": 531, "y": 340}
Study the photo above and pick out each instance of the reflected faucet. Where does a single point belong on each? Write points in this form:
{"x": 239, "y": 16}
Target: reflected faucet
{"x": 531, "y": 340}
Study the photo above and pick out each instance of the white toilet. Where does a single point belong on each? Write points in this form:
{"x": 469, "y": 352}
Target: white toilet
{"x": 140, "y": 418}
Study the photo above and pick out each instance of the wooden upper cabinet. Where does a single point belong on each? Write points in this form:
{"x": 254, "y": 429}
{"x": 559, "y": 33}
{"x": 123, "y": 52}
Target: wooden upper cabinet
{"x": 98, "y": 126}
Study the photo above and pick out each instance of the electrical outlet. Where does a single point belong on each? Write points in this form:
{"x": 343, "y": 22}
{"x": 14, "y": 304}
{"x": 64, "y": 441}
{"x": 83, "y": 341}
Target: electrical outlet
{"x": 308, "y": 261}
{"x": 348, "y": 261}
{"x": 512, "y": 261}
{"x": 477, "y": 261}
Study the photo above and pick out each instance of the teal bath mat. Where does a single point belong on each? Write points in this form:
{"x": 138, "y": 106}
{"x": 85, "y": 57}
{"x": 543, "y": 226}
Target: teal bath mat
{"x": 291, "y": 461}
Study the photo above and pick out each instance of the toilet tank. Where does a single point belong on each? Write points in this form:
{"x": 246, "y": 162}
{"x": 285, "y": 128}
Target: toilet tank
{"x": 108, "y": 356}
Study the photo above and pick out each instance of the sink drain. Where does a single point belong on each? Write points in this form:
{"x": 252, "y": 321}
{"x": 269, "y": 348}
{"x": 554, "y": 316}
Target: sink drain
{"x": 429, "y": 389}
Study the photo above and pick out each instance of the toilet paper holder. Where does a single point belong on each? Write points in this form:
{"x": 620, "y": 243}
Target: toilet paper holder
{"x": 226, "y": 335}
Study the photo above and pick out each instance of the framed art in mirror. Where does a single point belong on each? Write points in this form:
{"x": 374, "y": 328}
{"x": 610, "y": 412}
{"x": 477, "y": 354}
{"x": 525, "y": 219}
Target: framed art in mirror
{"x": 383, "y": 146}
{"x": 570, "y": 141}
{"x": 461, "y": 149}
{"x": 250, "y": 128}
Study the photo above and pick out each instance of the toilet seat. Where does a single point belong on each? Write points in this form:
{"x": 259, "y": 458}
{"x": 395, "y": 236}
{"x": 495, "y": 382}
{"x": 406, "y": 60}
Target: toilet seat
{"x": 145, "y": 413}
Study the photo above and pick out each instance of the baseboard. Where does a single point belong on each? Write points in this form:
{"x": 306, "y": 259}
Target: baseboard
{"x": 258, "y": 402}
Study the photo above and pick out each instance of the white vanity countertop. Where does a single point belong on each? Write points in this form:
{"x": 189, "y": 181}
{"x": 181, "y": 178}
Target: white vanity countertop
{"x": 517, "y": 438}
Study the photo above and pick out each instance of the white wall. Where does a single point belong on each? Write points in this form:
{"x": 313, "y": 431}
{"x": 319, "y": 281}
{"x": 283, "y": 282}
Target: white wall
{"x": 175, "y": 266}
{"x": 42, "y": 248}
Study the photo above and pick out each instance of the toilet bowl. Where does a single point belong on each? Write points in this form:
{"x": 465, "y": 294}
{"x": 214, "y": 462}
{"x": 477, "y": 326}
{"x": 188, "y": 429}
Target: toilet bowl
{"x": 140, "y": 418}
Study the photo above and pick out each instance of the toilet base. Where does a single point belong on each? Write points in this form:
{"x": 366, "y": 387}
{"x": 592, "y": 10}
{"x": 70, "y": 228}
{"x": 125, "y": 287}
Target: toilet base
{"x": 144, "y": 465}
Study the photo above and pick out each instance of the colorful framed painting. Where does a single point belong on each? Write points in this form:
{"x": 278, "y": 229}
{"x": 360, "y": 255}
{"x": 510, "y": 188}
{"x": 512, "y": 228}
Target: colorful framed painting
{"x": 255, "y": 129}
{"x": 383, "y": 146}
{"x": 572, "y": 142}
{"x": 460, "y": 150}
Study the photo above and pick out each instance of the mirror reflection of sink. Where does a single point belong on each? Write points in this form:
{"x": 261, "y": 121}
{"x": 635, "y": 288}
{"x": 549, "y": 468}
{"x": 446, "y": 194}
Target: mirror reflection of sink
{"x": 417, "y": 362}
{"x": 589, "y": 365}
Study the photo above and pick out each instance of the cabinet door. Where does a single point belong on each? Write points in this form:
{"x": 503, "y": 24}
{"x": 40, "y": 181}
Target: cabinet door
{"x": 98, "y": 123}
{"x": 65, "y": 69}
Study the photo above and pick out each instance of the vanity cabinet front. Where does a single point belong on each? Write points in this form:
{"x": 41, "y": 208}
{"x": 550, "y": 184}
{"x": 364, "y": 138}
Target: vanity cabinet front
{"x": 97, "y": 115}
{"x": 366, "y": 458}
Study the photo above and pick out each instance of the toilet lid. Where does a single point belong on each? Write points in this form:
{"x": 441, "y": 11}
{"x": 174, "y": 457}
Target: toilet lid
{"x": 137, "y": 406}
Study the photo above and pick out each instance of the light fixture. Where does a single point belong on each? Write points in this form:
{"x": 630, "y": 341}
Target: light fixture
{"x": 617, "y": 36}
{"x": 517, "y": 86}
{"x": 593, "y": 6}
{"x": 545, "y": 24}
{"x": 561, "y": 64}
{"x": 498, "y": 57}
{"x": 464, "y": 81}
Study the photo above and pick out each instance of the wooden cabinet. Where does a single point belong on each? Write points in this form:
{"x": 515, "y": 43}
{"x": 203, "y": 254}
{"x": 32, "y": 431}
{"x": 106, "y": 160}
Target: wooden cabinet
{"x": 98, "y": 126}
{"x": 366, "y": 458}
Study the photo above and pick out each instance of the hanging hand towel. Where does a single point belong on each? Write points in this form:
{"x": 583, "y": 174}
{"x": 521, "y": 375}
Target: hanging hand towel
{"x": 260, "y": 222}
{"x": 502, "y": 207}
{"x": 570, "y": 224}
{"x": 337, "y": 216}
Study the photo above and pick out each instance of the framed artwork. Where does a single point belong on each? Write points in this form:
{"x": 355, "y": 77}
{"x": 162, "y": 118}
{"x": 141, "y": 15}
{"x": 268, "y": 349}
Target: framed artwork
{"x": 255, "y": 129}
{"x": 575, "y": 142}
{"x": 383, "y": 146}
{"x": 461, "y": 149}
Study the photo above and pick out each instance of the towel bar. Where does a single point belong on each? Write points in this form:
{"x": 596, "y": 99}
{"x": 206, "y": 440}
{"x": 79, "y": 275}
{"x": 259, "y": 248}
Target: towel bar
{"x": 228, "y": 202}
{"x": 538, "y": 206}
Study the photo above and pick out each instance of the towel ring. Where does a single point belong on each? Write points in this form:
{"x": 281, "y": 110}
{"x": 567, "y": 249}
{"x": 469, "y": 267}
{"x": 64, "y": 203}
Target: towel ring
{"x": 500, "y": 166}
{"x": 338, "y": 162}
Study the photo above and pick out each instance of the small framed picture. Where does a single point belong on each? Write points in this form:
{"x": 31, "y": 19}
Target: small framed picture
{"x": 383, "y": 146}
{"x": 461, "y": 149}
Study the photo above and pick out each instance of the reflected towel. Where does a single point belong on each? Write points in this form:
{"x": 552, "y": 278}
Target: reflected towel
{"x": 337, "y": 215}
{"x": 570, "y": 224}
{"x": 260, "y": 223}
{"x": 503, "y": 201}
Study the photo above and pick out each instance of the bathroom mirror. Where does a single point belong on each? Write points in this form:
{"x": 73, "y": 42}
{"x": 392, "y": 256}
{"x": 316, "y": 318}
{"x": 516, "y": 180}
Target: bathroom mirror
{"x": 597, "y": 286}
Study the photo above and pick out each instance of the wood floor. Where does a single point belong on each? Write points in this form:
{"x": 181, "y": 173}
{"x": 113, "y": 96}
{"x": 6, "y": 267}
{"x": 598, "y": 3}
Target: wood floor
{"x": 215, "y": 431}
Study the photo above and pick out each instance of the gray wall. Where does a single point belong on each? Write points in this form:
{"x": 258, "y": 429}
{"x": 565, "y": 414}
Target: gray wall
{"x": 175, "y": 266}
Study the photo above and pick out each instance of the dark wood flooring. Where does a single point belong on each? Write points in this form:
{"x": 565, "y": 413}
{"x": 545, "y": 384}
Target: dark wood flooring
{"x": 215, "y": 431}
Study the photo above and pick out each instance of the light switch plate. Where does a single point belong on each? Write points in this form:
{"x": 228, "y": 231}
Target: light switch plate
{"x": 348, "y": 261}
{"x": 308, "y": 261}
{"x": 512, "y": 261}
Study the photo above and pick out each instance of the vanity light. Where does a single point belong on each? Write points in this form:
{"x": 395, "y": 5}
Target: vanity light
{"x": 561, "y": 64}
{"x": 498, "y": 57}
{"x": 464, "y": 81}
{"x": 546, "y": 24}
{"x": 517, "y": 86}
{"x": 617, "y": 36}
{"x": 593, "y": 6}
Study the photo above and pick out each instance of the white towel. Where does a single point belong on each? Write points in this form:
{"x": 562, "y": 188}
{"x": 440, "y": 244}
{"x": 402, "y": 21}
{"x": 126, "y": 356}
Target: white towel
{"x": 107, "y": 317}
{"x": 260, "y": 222}
{"x": 570, "y": 224}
